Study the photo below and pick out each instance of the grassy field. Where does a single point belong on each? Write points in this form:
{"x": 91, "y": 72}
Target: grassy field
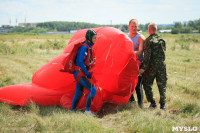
{"x": 22, "y": 55}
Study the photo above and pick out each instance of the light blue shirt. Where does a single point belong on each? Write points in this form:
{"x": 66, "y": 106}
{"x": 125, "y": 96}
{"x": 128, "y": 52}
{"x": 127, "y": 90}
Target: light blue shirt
{"x": 136, "y": 46}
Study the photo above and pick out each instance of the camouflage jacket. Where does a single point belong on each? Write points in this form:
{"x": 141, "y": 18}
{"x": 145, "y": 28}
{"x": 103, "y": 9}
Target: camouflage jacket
{"x": 154, "y": 51}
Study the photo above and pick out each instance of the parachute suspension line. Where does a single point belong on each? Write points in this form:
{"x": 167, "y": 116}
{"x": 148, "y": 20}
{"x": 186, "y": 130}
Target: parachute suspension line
{"x": 11, "y": 101}
{"x": 108, "y": 52}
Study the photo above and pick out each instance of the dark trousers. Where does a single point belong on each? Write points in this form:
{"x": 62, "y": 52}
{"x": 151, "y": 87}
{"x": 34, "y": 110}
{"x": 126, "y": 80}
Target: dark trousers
{"x": 139, "y": 90}
{"x": 161, "y": 79}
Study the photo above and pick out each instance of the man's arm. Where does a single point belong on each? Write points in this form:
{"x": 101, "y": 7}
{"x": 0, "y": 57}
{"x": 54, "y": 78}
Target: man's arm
{"x": 80, "y": 59}
{"x": 141, "y": 40}
{"x": 147, "y": 54}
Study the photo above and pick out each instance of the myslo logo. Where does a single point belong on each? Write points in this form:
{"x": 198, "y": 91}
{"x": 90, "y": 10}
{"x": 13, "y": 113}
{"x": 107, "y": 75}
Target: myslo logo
{"x": 187, "y": 129}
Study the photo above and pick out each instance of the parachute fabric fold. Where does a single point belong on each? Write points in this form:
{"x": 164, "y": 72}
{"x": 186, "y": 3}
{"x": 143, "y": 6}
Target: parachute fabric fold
{"x": 116, "y": 72}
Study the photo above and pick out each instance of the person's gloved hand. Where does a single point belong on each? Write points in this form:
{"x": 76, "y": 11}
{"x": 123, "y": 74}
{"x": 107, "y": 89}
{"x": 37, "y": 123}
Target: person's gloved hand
{"x": 89, "y": 76}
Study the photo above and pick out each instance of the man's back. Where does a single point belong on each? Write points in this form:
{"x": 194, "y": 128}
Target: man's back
{"x": 157, "y": 47}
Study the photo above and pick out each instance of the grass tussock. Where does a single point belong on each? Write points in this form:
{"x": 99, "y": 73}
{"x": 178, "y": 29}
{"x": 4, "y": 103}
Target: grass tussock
{"x": 190, "y": 109}
{"x": 22, "y": 55}
{"x": 31, "y": 47}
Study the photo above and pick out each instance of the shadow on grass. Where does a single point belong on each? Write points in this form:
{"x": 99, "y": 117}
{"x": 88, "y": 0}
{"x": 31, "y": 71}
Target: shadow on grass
{"x": 107, "y": 108}
{"x": 110, "y": 108}
{"x": 40, "y": 110}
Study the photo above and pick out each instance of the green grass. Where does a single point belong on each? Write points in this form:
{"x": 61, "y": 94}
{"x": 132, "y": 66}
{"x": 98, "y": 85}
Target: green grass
{"x": 22, "y": 55}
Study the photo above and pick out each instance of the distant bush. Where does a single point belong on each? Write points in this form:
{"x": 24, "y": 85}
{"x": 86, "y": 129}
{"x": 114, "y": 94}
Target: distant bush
{"x": 4, "y": 48}
{"x": 58, "y": 45}
{"x": 175, "y": 30}
{"x": 186, "y": 30}
{"x": 187, "y": 60}
{"x": 190, "y": 108}
{"x": 185, "y": 46}
{"x": 29, "y": 30}
{"x": 185, "y": 41}
{"x": 53, "y": 44}
{"x": 15, "y": 47}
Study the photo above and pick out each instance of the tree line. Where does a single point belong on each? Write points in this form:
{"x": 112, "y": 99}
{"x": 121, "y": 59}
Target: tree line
{"x": 68, "y": 26}
{"x": 178, "y": 27}
{"x": 186, "y": 27}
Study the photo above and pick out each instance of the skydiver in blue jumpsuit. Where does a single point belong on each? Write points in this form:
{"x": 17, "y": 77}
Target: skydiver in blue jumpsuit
{"x": 84, "y": 82}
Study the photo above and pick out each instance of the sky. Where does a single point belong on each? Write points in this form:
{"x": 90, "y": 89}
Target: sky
{"x": 13, "y": 12}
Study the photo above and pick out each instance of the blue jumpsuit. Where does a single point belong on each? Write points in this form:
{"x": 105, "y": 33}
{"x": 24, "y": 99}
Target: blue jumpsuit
{"x": 84, "y": 82}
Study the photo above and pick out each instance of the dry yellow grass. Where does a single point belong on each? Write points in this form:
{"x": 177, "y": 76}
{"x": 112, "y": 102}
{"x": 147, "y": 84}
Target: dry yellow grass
{"x": 183, "y": 91}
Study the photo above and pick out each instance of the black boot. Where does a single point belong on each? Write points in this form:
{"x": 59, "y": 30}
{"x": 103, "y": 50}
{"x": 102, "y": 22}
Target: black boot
{"x": 162, "y": 106}
{"x": 153, "y": 105}
{"x": 140, "y": 104}
{"x": 132, "y": 99}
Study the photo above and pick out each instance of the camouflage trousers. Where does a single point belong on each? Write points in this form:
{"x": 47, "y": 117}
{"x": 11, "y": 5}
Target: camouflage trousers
{"x": 158, "y": 73}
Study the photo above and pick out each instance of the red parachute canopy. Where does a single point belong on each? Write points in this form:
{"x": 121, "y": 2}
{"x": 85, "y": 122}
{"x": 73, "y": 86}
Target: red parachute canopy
{"x": 116, "y": 72}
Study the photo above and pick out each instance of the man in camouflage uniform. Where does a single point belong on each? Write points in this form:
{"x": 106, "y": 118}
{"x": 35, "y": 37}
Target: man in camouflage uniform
{"x": 154, "y": 66}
